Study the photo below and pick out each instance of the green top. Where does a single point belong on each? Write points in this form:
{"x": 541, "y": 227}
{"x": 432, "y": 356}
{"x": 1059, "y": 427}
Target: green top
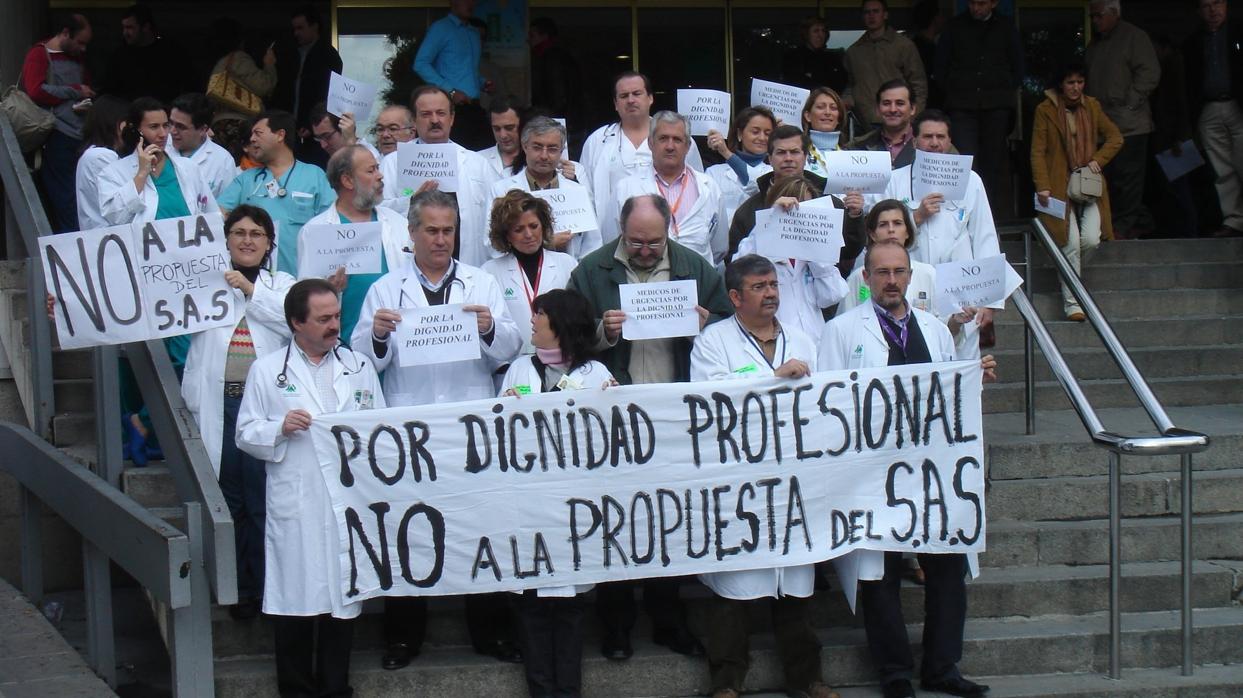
{"x": 356, "y": 287}
{"x": 172, "y": 202}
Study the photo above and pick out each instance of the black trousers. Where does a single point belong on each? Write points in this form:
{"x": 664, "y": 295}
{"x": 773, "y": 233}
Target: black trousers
{"x": 313, "y": 656}
{"x": 945, "y": 614}
{"x": 1124, "y": 175}
{"x": 618, "y": 609}
{"x": 982, "y": 133}
{"x": 729, "y": 642}
{"x": 243, "y": 482}
{"x": 550, "y": 632}
{"x": 488, "y": 619}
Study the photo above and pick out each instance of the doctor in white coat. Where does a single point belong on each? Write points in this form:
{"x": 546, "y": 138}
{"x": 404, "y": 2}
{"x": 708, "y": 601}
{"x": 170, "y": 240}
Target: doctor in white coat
{"x": 285, "y": 390}
{"x": 433, "y": 121}
{"x": 542, "y": 142}
{"x": 751, "y": 344}
{"x": 693, "y": 197}
{"x": 151, "y": 183}
{"x": 215, "y": 379}
{"x": 616, "y": 151}
{"x": 886, "y": 331}
{"x": 522, "y": 231}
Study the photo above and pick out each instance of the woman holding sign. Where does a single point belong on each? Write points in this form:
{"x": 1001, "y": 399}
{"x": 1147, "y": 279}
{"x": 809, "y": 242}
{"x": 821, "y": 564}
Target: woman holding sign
{"x": 745, "y": 151}
{"x": 824, "y": 117}
{"x": 1066, "y": 129}
{"x": 215, "y": 380}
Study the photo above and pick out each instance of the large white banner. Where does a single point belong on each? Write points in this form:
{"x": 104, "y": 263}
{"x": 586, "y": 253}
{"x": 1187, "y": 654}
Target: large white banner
{"x": 131, "y": 283}
{"x": 652, "y": 481}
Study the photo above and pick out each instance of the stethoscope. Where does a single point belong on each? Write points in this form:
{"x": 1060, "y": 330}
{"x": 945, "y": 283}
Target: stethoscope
{"x": 781, "y": 339}
{"x": 281, "y": 191}
{"x": 282, "y": 378}
{"x": 447, "y": 286}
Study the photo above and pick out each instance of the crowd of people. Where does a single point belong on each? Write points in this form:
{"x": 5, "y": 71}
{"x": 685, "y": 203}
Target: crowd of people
{"x": 546, "y": 300}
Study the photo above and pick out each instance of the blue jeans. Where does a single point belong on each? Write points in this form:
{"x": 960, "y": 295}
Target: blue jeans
{"x": 243, "y": 481}
{"x": 60, "y": 164}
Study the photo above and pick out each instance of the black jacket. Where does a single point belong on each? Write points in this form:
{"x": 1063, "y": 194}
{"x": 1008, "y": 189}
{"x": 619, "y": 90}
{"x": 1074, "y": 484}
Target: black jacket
{"x": 1193, "y": 59}
{"x": 322, "y": 60}
{"x": 979, "y": 64}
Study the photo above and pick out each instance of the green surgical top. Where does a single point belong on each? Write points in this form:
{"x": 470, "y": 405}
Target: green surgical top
{"x": 356, "y": 286}
{"x": 172, "y": 201}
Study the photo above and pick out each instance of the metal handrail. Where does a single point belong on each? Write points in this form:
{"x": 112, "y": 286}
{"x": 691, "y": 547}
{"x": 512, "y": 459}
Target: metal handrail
{"x": 1171, "y": 440}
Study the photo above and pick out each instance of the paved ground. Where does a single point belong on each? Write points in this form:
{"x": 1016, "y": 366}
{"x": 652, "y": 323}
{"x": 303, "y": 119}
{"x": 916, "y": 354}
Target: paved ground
{"x": 35, "y": 661}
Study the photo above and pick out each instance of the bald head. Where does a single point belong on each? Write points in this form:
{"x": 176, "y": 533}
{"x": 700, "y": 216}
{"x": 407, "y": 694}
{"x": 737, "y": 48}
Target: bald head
{"x": 645, "y": 229}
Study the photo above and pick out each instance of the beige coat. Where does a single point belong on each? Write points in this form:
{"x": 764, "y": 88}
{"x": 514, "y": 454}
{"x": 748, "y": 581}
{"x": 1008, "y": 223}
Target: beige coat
{"x": 873, "y": 62}
{"x": 1123, "y": 72}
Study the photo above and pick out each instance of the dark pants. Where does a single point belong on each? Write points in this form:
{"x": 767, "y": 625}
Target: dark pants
{"x": 982, "y": 133}
{"x": 550, "y": 632}
{"x": 243, "y": 481}
{"x": 729, "y": 642}
{"x": 58, "y": 174}
{"x": 488, "y": 619}
{"x": 945, "y": 614}
{"x": 1124, "y": 175}
{"x": 313, "y": 656}
{"x": 618, "y": 610}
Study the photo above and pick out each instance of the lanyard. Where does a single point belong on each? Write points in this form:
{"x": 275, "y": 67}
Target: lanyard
{"x": 531, "y": 293}
{"x": 781, "y": 336}
{"x": 673, "y": 206}
{"x": 900, "y": 337}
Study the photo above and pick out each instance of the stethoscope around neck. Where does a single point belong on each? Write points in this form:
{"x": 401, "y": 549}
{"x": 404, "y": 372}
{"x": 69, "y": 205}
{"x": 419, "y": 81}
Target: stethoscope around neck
{"x": 282, "y": 378}
{"x": 281, "y": 187}
{"x": 447, "y": 285}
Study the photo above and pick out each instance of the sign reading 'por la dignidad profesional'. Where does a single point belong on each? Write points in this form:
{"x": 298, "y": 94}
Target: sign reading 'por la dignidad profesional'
{"x": 652, "y": 481}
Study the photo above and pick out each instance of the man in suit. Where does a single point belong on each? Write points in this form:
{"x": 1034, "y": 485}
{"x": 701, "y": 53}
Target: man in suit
{"x": 303, "y": 78}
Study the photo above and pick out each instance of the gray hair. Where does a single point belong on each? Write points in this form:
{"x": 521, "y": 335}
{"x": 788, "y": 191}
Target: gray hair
{"x": 401, "y": 108}
{"x": 540, "y": 125}
{"x": 668, "y": 117}
{"x": 657, "y": 201}
{"x": 432, "y": 198}
{"x": 746, "y": 265}
{"x": 340, "y": 164}
{"x": 1115, "y": 5}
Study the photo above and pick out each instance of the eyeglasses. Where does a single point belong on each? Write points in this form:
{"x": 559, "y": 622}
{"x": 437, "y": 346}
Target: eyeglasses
{"x": 247, "y": 234}
{"x": 650, "y": 246}
{"x": 544, "y": 149}
{"x": 890, "y": 273}
{"x": 323, "y": 137}
{"x": 759, "y": 288}
{"x": 390, "y": 130}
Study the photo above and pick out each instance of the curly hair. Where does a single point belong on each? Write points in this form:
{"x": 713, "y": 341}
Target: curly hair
{"x": 508, "y": 209}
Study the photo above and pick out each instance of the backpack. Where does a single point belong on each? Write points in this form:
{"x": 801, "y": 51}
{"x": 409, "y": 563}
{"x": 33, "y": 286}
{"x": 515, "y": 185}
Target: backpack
{"x": 31, "y": 123}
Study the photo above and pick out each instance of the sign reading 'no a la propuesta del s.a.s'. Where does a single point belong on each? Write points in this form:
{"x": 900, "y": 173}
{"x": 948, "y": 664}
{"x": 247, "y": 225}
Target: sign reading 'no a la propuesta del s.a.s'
{"x": 863, "y": 171}
{"x": 322, "y": 249}
{"x": 571, "y": 209}
{"x": 705, "y": 110}
{"x": 352, "y": 96}
{"x": 420, "y": 162}
{"x": 132, "y": 283}
{"x": 785, "y": 101}
{"x": 660, "y": 480}
{"x": 976, "y": 283}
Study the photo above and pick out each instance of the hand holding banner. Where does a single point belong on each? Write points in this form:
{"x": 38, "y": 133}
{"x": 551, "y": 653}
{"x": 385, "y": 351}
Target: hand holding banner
{"x": 322, "y": 249}
{"x": 437, "y": 334}
{"x": 940, "y": 173}
{"x": 706, "y": 110}
{"x": 346, "y": 95}
{"x": 659, "y": 309}
{"x": 420, "y": 162}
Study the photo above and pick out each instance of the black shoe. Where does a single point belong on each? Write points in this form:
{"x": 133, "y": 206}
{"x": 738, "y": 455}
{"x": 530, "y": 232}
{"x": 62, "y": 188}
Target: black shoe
{"x": 680, "y": 640}
{"x": 899, "y": 688}
{"x": 503, "y": 650}
{"x": 397, "y": 655}
{"x": 957, "y": 686}
{"x": 616, "y": 646}
{"x": 247, "y": 609}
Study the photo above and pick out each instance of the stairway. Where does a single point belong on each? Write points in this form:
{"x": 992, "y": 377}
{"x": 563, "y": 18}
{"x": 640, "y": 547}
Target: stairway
{"x": 1038, "y": 623}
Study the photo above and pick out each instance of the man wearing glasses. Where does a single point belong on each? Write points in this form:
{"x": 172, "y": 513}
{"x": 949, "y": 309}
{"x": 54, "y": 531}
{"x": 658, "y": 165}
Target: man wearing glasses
{"x": 395, "y": 124}
{"x": 191, "y": 118}
{"x": 643, "y": 254}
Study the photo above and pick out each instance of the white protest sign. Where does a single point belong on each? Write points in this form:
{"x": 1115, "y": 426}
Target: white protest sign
{"x": 975, "y": 283}
{"x": 346, "y": 95}
{"x": 436, "y": 335}
{"x": 785, "y": 101}
{"x": 809, "y": 233}
{"x": 420, "y": 162}
{"x": 571, "y": 209}
{"x": 1056, "y": 207}
{"x": 659, "y": 480}
{"x": 94, "y": 276}
{"x": 182, "y": 262}
{"x": 940, "y": 173}
{"x": 864, "y": 171}
{"x": 322, "y": 249}
{"x": 660, "y": 309}
{"x": 705, "y": 110}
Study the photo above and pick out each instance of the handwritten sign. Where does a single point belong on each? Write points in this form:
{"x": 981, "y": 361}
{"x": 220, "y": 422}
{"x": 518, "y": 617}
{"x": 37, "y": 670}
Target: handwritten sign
{"x": 420, "y": 162}
{"x": 864, "y": 171}
{"x": 786, "y": 101}
{"x": 658, "y": 310}
{"x": 571, "y": 209}
{"x": 940, "y": 173}
{"x": 346, "y": 95}
{"x": 809, "y": 233}
{"x": 322, "y": 249}
{"x": 436, "y": 335}
{"x": 705, "y": 110}
{"x": 975, "y": 283}
{"x": 137, "y": 282}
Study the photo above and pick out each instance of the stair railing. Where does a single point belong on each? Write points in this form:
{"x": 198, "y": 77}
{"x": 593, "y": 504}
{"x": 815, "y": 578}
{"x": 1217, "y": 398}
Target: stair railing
{"x": 1171, "y": 439}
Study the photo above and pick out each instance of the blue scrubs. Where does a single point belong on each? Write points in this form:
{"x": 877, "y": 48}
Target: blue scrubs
{"x": 307, "y": 194}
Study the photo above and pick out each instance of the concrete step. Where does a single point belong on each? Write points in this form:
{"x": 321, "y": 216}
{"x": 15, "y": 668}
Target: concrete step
{"x": 1153, "y": 362}
{"x": 1039, "y": 458}
{"x": 1047, "y": 645}
{"x": 73, "y": 429}
{"x": 74, "y": 394}
{"x": 151, "y": 486}
{"x": 1144, "y": 494}
{"x": 1193, "y": 330}
{"x": 1172, "y": 392}
{"x": 1144, "y": 252}
{"x": 73, "y": 363}
{"x": 1223, "y": 273}
{"x": 1150, "y": 303}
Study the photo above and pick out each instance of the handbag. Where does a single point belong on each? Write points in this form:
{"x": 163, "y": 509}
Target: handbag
{"x": 223, "y": 89}
{"x": 31, "y": 123}
{"x": 1085, "y": 186}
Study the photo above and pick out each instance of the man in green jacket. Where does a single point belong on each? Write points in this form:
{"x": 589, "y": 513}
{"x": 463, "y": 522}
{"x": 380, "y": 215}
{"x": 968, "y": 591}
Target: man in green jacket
{"x": 644, "y": 253}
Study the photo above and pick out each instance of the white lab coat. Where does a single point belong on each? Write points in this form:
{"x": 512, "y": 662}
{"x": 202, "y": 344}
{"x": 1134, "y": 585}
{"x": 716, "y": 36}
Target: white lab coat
{"x": 475, "y": 178}
{"x": 493, "y": 157}
{"x": 855, "y": 340}
{"x": 396, "y": 234}
{"x": 86, "y": 183}
{"x": 609, "y": 157}
{"x": 215, "y": 163}
{"x": 449, "y": 382}
{"x": 302, "y": 574}
{"x": 580, "y": 245}
{"x": 700, "y": 229}
{"x": 724, "y": 350}
{"x": 918, "y": 293}
{"x": 202, "y": 385}
{"x": 806, "y": 287}
{"x": 120, "y": 202}
{"x": 733, "y": 192}
{"x": 554, "y": 273}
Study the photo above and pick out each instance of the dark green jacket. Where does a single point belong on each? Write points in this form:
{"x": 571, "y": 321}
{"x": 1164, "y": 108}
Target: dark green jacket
{"x": 599, "y": 275}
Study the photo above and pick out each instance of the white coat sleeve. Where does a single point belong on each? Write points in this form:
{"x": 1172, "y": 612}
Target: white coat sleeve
{"x": 361, "y": 340}
{"x": 709, "y": 360}
{"x": 266, "y": 306}
{"x": 191, "y": 388}
{"x": 851, "y": 300}
{"x": 693, "y": 158}
{"x": 119, "y": 201}
{"x": 258, "y": 427}
{"x": 828, "y": 286}
{"x": 981, "y": 228}
{"x": 394, "y": 198}
{"x": 832, "y": 354}
{"x": 506, "y": 340}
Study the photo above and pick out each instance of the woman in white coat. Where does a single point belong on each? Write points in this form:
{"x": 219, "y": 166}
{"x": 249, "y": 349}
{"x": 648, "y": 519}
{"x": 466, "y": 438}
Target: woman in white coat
{"x": 745, "y": 152}
{"x": 550, "y": 619}
{"x": 102, "y": 134}
{"x": 215, "y": 380}
{"x": 522, "y": 231}
{"x": 285, "y": 391}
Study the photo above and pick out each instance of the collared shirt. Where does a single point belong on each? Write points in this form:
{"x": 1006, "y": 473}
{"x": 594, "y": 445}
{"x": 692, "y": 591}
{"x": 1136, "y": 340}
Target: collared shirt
{"x": 307, "y": 194}
{"x": 681, "y": 193}
{"x": 322, "y": 374}
{"x": 895, "y": 146}
{"x": 449, "y": 56}
{"x": 767, "y": 346}
{"x": 535, "y": 186}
